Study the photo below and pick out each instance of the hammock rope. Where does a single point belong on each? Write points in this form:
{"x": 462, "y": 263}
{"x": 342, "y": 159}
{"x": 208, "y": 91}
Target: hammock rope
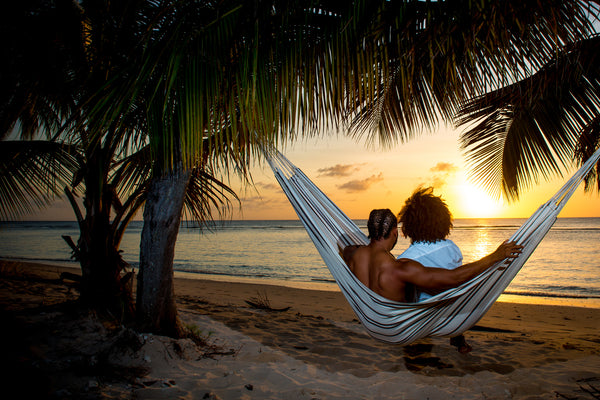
{"x": 446, "y": 314}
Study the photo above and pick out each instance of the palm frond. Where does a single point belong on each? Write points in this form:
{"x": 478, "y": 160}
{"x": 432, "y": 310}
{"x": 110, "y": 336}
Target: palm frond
{"x": 130, "y": 177}
{"x": 432, "y": 56}
{"x": 589, "y": 141}
{"x": 535, "y": 127}
{"x": 32, "y": 175}
{"x": 131, "y": 171}
{"x": 206, "y": 195}
{"x": 218, "y": 80}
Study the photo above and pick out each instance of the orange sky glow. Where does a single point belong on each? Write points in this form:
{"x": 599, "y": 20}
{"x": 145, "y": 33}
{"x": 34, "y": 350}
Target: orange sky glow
{"x": 359, "y": 179}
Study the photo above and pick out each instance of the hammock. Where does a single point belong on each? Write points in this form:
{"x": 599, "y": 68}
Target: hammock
{"x": 449, "y": 313}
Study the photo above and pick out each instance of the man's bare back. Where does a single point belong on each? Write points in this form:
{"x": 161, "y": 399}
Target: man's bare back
{"x": 377, "y": 269}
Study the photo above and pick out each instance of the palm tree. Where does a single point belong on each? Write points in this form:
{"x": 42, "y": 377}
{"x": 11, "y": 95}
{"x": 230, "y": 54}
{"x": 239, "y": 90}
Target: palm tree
{"x": 537, "y": 125}
{"x": 35, "y": 101}
{"x": 109, "y": 164}
{"x": 61, "y": 56}
{"x": 210, "y": 84}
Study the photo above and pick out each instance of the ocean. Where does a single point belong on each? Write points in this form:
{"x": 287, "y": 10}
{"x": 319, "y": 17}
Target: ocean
{"x": 564, "y": 269}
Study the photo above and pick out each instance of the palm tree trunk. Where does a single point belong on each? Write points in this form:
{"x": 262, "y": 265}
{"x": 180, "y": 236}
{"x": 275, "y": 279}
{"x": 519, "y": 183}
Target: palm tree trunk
{"x": 156, "y": 309}
{"x": 101, "y": 266}
{"x": 97, "y": 251}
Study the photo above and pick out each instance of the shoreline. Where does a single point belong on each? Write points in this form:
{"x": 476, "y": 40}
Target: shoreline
{"x": 332, "y": 286}
{"x": 315, "y": 350}
{"x": 308, "y": 299}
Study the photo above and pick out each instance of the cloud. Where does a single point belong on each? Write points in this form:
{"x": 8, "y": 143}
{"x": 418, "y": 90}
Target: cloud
{"x": 441, "y": 172}
{"x": 338, "y": 170}
{"x": 263, "y": 201}
{"x": 361, "y": 185}
{"x": 444, "y": 167}
{"x": 268, "y": 186}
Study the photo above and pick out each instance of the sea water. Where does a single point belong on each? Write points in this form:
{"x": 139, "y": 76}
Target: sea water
{"x": 564, "y": 267}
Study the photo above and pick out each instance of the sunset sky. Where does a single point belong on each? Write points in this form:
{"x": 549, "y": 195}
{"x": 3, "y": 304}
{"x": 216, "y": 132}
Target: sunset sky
{"x": 359, "y": 179}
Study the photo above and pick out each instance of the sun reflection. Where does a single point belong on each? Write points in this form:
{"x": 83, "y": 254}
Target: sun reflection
{"x": 482, "y": 246}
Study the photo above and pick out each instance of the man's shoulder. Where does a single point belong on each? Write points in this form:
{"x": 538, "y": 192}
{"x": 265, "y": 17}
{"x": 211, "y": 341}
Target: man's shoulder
{"x": 362, "y": 249}
{"x": 398, "y": 271}
{"x": 406, "y": 264}
{"x": 402, "y": 261}
{"x": 350, "y": 251}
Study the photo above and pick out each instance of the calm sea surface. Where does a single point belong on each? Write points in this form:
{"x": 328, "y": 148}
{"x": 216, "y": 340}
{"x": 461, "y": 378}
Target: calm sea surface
{"x": 564, "y": 269}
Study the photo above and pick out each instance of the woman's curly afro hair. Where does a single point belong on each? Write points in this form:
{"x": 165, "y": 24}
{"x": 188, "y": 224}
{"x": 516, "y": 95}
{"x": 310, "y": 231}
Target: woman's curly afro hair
{"x": 425, "y": 217}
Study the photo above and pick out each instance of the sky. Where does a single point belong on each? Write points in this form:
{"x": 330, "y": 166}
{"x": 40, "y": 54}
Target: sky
{"x": 359, "y": 179}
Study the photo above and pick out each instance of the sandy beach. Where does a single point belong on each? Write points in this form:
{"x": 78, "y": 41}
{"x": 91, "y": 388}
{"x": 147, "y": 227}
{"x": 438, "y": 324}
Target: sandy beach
{"x": 309, "y": 346}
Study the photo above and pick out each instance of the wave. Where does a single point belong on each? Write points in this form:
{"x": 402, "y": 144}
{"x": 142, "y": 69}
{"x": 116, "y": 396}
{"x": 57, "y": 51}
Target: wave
{"x": 42, "y": 226}
{"x": 221, "y": 273}
{"x": 38, "y": 259}
{"x": 575, "y": 228}
{"x": 548, "y": 292}
{"x": 323, "y": 280}
{"x": 62, "y": 262}
{"x": 474, "y": 227}
{"x": 553, "y": 294}
{"x": 266, "y": 227}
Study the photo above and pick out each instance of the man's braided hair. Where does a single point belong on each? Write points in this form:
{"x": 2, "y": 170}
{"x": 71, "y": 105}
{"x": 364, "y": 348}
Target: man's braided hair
{"x": 380, "y": 224}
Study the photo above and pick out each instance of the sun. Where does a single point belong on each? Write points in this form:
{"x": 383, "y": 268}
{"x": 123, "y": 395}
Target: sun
{"x": 476, "y": 203}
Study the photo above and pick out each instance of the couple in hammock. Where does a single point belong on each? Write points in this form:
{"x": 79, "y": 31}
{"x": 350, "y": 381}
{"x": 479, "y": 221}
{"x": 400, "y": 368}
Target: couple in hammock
{"x": 430, "y": 265}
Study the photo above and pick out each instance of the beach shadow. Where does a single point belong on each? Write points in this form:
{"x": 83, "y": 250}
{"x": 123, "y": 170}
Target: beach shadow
{"x": 344, "y": 346}
{"x": 318, "y": 341}
{"x": 418, "y": 356}
{"x": 308, "y": 338}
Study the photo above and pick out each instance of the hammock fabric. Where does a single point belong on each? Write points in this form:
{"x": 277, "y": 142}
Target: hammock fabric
{"x": 449, "y": 313}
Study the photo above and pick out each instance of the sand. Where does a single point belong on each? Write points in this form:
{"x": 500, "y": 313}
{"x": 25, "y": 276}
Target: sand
{"x": 313, "y": 349}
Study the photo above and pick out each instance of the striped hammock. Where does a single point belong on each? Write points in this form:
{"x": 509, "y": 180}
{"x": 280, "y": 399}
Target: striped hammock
{"x": 449, "y": 313}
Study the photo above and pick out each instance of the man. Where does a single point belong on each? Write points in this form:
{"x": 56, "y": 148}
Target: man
{"x": 379, "y": 270}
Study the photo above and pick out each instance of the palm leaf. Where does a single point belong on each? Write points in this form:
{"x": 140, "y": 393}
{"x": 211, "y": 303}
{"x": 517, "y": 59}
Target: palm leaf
{"x": 206, "y": 195}
{"x": 429, "y": 57}
{"x": 534, "y": 128}
{"x": 32, "y": 174}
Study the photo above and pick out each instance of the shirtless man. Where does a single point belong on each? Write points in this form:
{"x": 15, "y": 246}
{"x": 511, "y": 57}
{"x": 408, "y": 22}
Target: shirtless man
{"x": 379, "y": 270}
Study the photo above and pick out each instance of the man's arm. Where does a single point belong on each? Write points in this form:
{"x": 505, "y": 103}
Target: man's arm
{"x": 439, "y": 279}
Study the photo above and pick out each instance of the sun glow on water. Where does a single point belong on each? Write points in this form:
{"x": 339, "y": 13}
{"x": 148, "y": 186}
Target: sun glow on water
{"x": 482, "y": 245}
